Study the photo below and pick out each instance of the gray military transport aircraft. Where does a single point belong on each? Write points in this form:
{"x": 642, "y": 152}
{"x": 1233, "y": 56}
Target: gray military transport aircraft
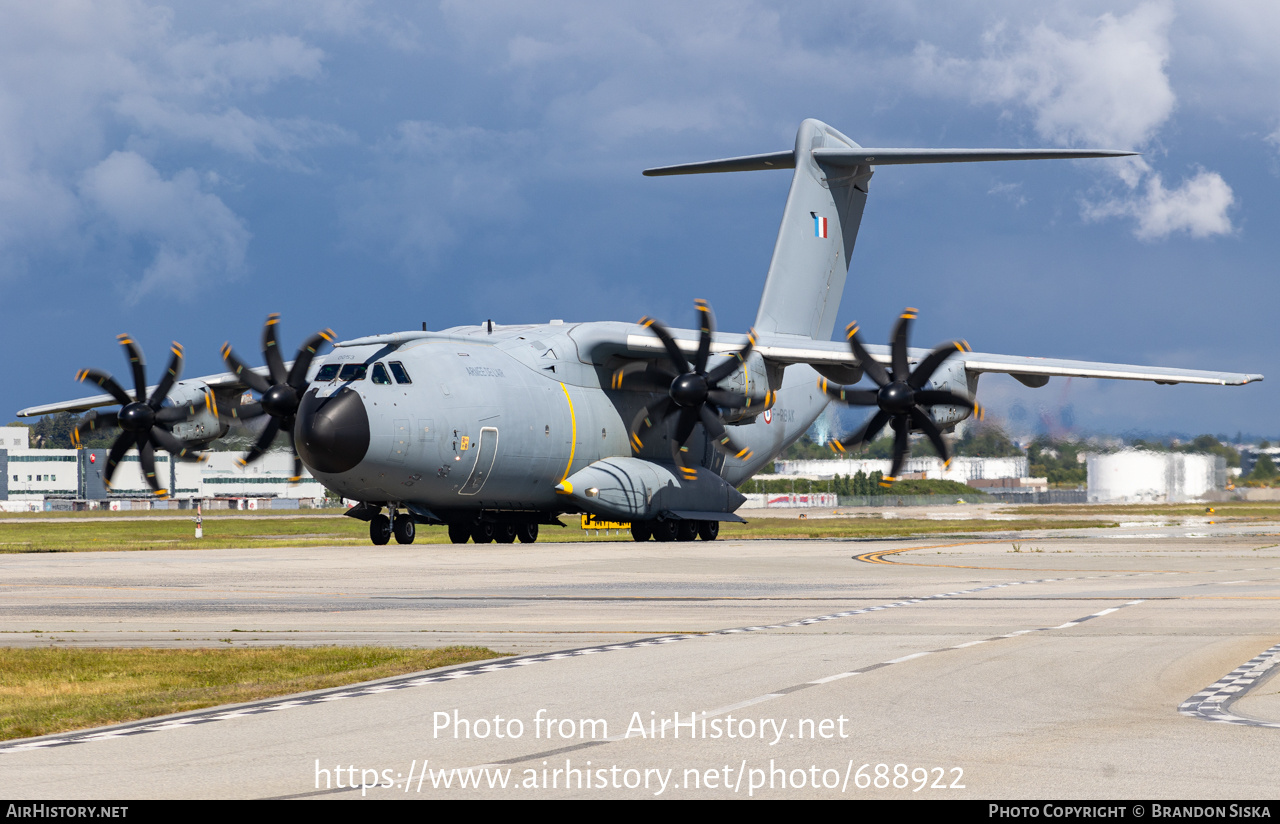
{"x": 493, "y": 430}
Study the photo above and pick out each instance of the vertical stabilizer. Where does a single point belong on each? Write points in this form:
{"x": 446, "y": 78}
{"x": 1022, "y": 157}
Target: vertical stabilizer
{"x": 819, "y": 226}
{"x": 824, "y": 209}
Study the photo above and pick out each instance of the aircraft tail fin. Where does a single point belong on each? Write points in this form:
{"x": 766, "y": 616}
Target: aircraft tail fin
{"x": 810, "y": 263}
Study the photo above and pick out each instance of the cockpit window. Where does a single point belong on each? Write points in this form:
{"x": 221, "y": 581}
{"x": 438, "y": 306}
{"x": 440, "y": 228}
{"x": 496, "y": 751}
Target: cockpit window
{"x": 380, "y": 374}
{"x": 327, "y": 372}
{"x": 353, "y": 372}
{"x": 397, "y": 369}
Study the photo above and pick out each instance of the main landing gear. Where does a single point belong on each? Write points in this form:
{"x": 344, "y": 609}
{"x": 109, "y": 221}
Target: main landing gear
{"x": 486, "y": 532}
{"x": 381, "y": 528}
{"x": 673, "y": 530}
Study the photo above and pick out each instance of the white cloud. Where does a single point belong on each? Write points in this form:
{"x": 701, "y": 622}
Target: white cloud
{"x": 1104, "y": 86}
{"x": 81, "y": 81}
{"x": 195, "y": 237}
{"x": 1198, "y": 207}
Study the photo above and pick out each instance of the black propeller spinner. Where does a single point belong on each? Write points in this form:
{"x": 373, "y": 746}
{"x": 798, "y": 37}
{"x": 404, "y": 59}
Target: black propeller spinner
{"x": 145, "y": 421}
{"x": 693, "y": 394}
{"x": 281, "y": 394}
{"x": 900, "y": 396}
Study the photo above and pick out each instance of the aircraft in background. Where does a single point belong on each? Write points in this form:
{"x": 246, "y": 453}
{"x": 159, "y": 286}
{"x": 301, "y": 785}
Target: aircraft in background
{"x": 493, "y": 430}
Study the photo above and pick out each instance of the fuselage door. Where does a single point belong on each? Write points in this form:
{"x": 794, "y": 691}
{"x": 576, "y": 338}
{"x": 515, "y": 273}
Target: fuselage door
{"x": 485, "y": 453}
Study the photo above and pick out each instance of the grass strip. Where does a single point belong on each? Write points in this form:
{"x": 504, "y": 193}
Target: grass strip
{"x": 165, "y": 533}
{"x": 49, "y": 690}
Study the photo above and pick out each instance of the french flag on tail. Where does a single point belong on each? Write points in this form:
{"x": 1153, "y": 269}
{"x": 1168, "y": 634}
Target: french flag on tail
{"x": 819, "y": 226}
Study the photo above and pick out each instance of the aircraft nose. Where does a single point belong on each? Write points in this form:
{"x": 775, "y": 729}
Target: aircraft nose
{"x": 332, "y": 434}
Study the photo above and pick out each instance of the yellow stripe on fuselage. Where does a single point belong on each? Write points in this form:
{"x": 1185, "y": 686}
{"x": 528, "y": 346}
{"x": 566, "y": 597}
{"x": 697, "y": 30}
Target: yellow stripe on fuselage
{"x": 573, "y": 428}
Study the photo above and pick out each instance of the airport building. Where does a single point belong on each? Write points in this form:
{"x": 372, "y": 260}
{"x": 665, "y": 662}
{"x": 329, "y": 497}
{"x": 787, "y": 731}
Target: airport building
{"x": 37, "y": 478}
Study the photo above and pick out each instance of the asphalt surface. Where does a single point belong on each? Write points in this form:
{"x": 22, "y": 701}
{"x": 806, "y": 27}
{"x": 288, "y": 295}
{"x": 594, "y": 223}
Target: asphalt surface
{"x": 1064, "y": 664}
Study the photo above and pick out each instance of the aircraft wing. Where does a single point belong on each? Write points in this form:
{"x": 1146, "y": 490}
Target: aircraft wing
{"x": 223, "y": 384}
{"x": 793, "y": 349}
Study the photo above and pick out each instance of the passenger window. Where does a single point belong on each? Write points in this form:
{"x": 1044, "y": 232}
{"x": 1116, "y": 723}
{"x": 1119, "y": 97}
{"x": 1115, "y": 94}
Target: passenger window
{"x": 327, "y": 372}
{"x": 380, "y": 374}
{"x": 353, "y": 372}
{"x": 397, "y": 369}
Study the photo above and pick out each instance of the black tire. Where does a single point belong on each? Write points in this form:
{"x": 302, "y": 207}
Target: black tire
{"x": 708, "y": 530}
{"x": 504, "y": 533}
{"x": 404, "y": 529}
{"x": 666, "y": 531}
{"x": 459, "y": 533}
{"x": 380, "y": 530}
{"x": 482, "y": 532}
{"x": 687, "y": 530}
{"x": 641, "y": 530}
{"x": 527, "y": 533}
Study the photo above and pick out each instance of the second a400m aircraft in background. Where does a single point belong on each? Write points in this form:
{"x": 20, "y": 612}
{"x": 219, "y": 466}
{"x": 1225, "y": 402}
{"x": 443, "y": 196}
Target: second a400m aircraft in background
{"x": 493, "y": 430}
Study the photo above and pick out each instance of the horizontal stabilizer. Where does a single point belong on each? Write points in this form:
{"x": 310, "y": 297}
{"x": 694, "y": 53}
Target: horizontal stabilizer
{"x": 876, "y": 157}
{"x": 899, "y": 157}
{"x": 749, "y": 163}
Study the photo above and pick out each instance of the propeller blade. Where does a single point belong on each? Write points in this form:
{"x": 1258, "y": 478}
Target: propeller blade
{"x": 853, "y": 397}
{"x": 264, "y": 442}
{"x": 118, "y": 450}
{"x": 92, "y": 422}
{"x": 246, "y": 375}
{"x": 177, "y": 414}
{"x": 170, "y": 376}
{"x": 870, "y": 366}
{"x": 720, "y": 437}
{"x": 137, "y": 364}
{"x": 302, "y": 363}
{"x": 900, "y": 332}
{"x": 940, "y": 397}
{"x": 924, "y": 423}
{"x": 673, "y": 351}
{"x": 176, "y": 448}
{"x": 106, "y": 382}
{"x": 645, "y": 417}
{"x": 735, "y": 360}
{"x": 271, "y": 351}
{"x": 867, "y": 433}
{"x": 639, "y": 377}
{"x": 933, "y": 360}
{"x": 707, "y": 325}
{"x": 901, "y": 448}
{"x": 147, "y": 457}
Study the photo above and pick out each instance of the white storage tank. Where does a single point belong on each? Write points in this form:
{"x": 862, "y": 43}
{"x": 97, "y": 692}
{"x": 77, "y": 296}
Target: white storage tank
{"x": 1137, "y": 475}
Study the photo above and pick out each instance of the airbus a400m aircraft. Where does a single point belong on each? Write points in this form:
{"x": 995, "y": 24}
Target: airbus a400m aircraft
{"x": 494, "y": 430}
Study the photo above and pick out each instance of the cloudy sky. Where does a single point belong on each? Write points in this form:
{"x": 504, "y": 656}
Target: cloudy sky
{"x": 179, "y": 171}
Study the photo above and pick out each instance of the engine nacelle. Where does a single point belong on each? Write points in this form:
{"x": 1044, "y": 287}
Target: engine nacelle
{"x": 204, "y": 427}
{"x": 952, "y": 377}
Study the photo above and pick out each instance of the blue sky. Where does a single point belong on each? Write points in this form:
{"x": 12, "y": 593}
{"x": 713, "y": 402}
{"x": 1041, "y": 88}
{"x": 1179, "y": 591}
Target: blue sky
{"x": 179, "y": 171}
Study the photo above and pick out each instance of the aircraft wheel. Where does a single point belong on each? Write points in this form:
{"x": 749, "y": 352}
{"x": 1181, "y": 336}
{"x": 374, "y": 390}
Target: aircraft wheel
{"x": 482, "y": 532}
{"x": 641, "y": 530}
{"x": 380, "y": 530}
{"x": 688, "y": 530}
{"x": 504, "y": 533}
{"x": 404, "y": 529}
{"x": 459, "y": 532}
{"x": 664, "y": 531}
{"x": 708, "y": 530}
{"x": 527, "y": 533}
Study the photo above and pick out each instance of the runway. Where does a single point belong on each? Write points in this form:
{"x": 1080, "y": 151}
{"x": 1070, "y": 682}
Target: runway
{"x": 1121, "y": 663}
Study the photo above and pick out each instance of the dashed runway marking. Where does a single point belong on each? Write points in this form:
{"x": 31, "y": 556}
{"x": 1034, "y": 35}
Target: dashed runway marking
{"x": 1214, "y": 701}
{"x": 422, "y": 679}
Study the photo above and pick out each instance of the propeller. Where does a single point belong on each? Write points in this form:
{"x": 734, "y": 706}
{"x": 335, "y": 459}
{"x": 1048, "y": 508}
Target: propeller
{"x": 145, "y": 421}
{"x": 900, "y": 395}
{"x": 281, "y": 390}
{"x": 693, "y": 394}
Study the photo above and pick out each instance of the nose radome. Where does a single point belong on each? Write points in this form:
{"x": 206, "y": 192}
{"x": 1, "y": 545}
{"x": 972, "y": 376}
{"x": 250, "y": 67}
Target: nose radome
{"x": 332, "y": 434}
